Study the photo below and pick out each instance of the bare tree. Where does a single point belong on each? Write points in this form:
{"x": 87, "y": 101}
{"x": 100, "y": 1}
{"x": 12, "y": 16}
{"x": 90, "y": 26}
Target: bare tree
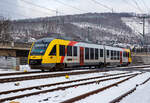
{"x": 5, "y": 25}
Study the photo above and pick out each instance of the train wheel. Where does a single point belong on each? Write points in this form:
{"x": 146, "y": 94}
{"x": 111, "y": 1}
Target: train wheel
{"x": 52, "y": 69}
{"x": 60, "y": 66}
{"x": 42, "y": 70}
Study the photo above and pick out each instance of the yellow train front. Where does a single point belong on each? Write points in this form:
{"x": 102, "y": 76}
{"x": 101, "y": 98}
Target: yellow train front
{"x": 45, "y": 54}
{"x": 52, "y": 54}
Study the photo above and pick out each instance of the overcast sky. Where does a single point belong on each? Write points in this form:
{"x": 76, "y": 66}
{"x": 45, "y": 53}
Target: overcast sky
{"x": 19, "y": 9}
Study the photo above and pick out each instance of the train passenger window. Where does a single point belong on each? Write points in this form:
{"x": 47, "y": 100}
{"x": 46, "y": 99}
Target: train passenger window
{"x": 53, "y": 51}
{"x": 62, "y": 50}
{"x": 75, "y": 51}
{"x": 96, "y": 54}
{"x": 87, "y": 53}
{"x": 112, "y": 55}
{"x": 115, "y": 55}
{"x": 92, "y": 53}
{"x": 69, "y": 50}
{"x": 118, "y": 55}
{"x": 107, "y": 53}
{"x": 101, "y": 52}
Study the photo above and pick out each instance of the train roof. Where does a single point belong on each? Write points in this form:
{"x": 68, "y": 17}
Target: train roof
{"x": 45, "y": 39}
{"x": 84, "y": 44}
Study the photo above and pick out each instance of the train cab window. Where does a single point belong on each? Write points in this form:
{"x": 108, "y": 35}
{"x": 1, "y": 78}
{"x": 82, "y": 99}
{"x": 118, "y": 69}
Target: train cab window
{"x": 92, "y": 53}
{"x": 87, "y": 54}
{"x": 128, "y": 54}
{"x": 118, "y": 55}
{"x": 62, "y": 50}
{"x": 53, "y": 51}
{"x": 107, "y": 53}
{"x": 75, "y": 51}
{"x": 96, "y": 54}
{"x": 112, "y": 55}
{"x": 69, "y": 50}
{"x": 101, "y": 53}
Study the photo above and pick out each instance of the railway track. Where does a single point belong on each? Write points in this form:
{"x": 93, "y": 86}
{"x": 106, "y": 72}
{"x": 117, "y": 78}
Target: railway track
{"x": 118, "y": 99}
{"x": 77, "y": 98}
{"x": 22, "y": 78}
{"x": 48, "y": 85}
{"x": 65, "y": 87}
{"x": 20, "y": 73}
{"x": 36, "y": 72}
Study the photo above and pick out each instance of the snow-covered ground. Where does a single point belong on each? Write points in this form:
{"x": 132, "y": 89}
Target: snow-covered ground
{"x": 62, "y": 95}
{"x": 100, "y": 27}
{"x": 23, "y": 84}
{"x": 141, "y": 95}
{"x": 103, "y": 97}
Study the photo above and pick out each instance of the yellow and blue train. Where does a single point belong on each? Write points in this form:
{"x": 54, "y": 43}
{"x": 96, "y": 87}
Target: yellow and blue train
{"x": 51, "y": 54}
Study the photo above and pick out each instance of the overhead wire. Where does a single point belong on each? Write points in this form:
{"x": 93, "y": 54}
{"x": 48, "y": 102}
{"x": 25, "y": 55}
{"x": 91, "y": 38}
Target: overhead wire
{"x": 136, "y": 3}
{"x": 145, "y": 5}
{"x": 42, "y": 7}
{"x": 127, "y": 2}
{"x": 70, "y": 6}
{"x": 37, "y": 11}
{"x": 105, "y": 6}
{"x": 15, "y": 13}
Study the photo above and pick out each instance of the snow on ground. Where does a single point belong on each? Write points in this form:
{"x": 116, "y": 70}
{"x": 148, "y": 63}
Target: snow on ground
{"x": 36, "y": 82}
{"x": 26, "y": 67}
{"x": 136, "y": 24}
{"x": 103, "y": 97}
{"x": 141, "y": 95}
{"x": 143, "y": 67}
{"x": 22, "y": 68}
{"x": 112, "y": 93}
{"x": 2, "y": 96}
{"x": 61, "y": 95}
{"x": 100, "y": 27}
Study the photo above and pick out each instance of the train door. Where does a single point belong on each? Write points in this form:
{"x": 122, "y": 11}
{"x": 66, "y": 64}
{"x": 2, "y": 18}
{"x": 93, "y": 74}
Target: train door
{"x": 81, "y": 56}
{"x": 52, "y": 58}
{"x": 120, "y": 57}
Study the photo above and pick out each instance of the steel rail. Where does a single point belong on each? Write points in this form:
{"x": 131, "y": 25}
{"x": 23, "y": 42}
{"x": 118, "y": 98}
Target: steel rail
{"x": 63, "y": 88}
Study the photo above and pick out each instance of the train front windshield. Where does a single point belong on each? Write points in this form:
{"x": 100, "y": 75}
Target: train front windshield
{"x": 39, "y": 47}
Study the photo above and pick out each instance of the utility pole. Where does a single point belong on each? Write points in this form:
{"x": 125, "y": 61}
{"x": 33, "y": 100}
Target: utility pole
{"x": 143, "y": 20}
{"x": 56, "y": 18}
{"x": 88, "y": 33}
{"x": 143, "y": 29}
{"x": 88, "y": 36}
